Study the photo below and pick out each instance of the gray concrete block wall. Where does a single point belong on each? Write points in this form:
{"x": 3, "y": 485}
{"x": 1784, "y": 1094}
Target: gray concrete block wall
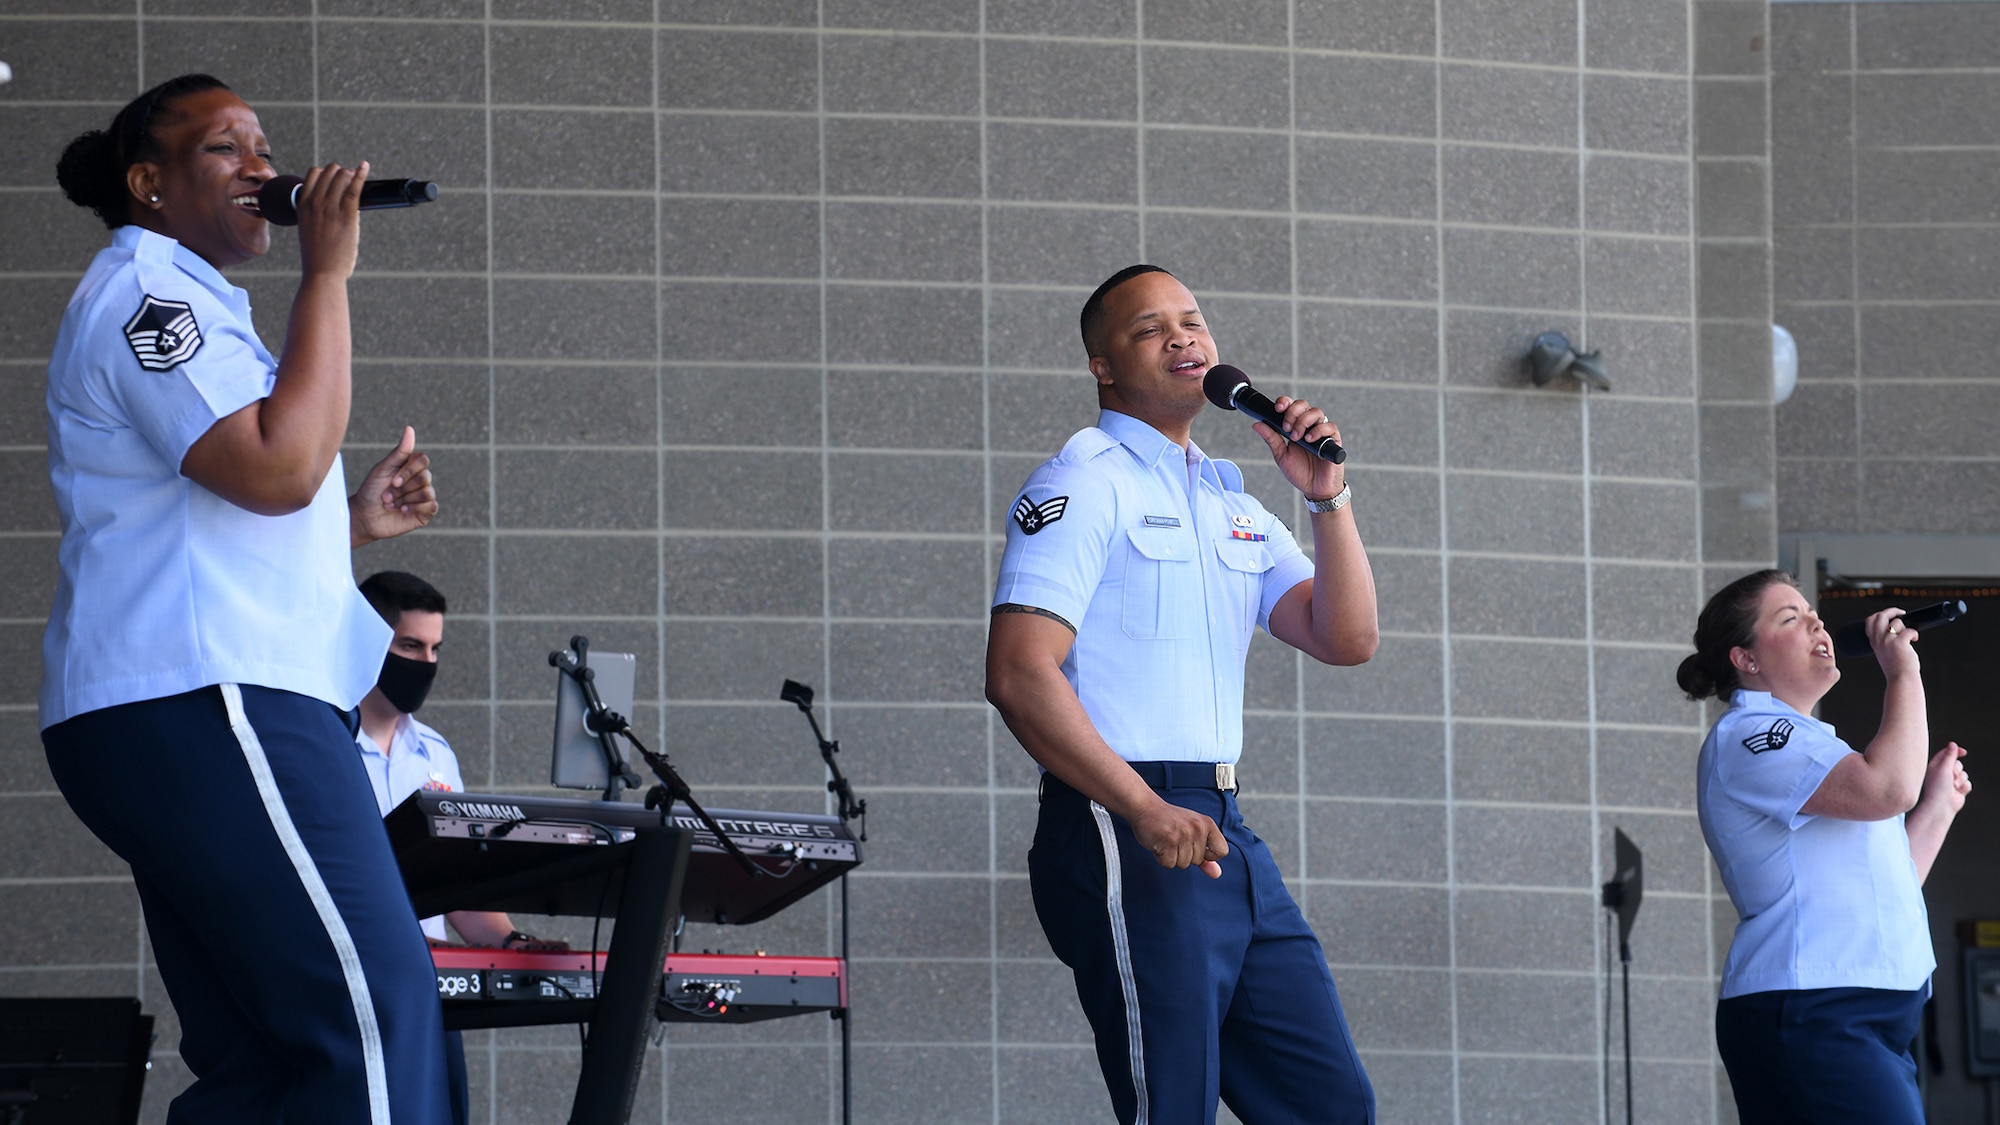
{"x": 1880, "y": 144}
{"x": 736, "y": 329}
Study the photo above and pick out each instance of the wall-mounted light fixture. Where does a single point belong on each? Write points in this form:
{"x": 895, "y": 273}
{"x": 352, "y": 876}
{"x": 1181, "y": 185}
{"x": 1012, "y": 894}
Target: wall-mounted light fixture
{"x": 1784, "y": 364}
{"x": 1551, "y": 355}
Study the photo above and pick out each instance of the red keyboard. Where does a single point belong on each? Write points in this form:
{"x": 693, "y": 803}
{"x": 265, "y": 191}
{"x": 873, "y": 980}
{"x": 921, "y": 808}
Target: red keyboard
{"x": 508, "y": 988}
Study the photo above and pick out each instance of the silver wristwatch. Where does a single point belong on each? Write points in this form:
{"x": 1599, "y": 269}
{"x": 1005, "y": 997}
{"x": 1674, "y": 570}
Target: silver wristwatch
{"x": 1332, "y": 503}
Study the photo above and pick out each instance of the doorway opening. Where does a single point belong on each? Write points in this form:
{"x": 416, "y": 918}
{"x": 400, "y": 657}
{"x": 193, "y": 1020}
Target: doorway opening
{"x": 1961, "y": 669}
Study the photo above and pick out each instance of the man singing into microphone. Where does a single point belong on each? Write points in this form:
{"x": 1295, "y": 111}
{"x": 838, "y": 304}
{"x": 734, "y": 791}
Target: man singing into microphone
{"x": 1135, "y": 570}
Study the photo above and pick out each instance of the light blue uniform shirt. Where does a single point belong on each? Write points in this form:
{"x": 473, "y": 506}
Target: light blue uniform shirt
{"x": 166, "y": 587}
{"x": 1165, "y": 566}
{"x": 1821, "y": 902}
{"x": 418, "y": 758}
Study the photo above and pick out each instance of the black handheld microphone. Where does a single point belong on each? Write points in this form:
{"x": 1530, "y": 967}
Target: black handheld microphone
{"x": 278, "y": 198}
{"x": 1229, "y": 388}
{"x": 1852, "y": 639}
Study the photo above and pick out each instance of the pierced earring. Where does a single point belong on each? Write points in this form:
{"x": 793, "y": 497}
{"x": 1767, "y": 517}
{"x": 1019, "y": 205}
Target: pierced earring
{"x": 1753, "y": 669}
{"x": 153, "y": 199}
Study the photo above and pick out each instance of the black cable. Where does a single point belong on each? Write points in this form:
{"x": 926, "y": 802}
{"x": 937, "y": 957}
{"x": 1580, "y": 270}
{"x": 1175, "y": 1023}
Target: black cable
{"x": 673, "y": 788}
{"x": 694, "y": 1011}
{"x": 609, "y": 833}
{"x": 596, "y": 977}
{"x": 791, "y": 866}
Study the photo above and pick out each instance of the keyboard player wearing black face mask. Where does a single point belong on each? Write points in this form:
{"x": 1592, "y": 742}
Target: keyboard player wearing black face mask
{"x": 403, "y": 756}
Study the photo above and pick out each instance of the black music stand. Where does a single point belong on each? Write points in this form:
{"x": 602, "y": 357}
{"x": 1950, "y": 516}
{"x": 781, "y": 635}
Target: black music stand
{"x": 1622, "y": 896}
{"x": 801, "y": 696}
{"x": 72, "y": 1062}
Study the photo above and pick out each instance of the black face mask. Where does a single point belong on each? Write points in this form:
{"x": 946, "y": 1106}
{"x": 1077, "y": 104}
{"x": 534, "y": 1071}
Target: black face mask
{"x": 405, "y": 682}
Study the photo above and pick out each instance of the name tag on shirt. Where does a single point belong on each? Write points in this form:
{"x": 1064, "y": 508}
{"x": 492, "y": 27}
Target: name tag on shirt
{"x": 1163, "y": 521}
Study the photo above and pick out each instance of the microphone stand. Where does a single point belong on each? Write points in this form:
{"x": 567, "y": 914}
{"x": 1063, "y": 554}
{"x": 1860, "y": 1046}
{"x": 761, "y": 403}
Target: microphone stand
{"x": 605, "y": 723}
{"x": 1621, "y": 896}
{"x": 801, "y": 696}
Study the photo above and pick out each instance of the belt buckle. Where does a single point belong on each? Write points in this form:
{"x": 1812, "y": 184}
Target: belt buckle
{"x": 1225, "y": 776}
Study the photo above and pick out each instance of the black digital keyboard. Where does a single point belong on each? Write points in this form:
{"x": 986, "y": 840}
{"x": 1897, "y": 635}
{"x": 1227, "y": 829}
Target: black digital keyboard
{"x": 554, "y": 855}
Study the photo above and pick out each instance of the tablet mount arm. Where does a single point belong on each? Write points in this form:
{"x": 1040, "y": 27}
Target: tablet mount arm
{"x": 607, "y": 724}
{"x": 599, "y": 720}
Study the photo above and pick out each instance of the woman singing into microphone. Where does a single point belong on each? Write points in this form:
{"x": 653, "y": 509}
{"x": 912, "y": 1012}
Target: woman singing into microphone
{"x": 1823, "y": 851}
{"x": 207, "y": 638}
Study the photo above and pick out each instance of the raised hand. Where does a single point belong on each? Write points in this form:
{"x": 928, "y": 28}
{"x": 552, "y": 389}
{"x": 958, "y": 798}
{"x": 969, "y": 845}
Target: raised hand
{"x": 1316, "y": 478}
{"x": 396, "y": 497}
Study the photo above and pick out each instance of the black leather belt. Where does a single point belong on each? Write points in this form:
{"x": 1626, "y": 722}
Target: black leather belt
{"x": 1171, "y": 775}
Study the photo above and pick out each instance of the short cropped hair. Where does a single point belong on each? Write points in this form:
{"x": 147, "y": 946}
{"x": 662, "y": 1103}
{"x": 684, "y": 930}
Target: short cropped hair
{"x": 394, "y": 593}
{"x": 1091, "y": 322}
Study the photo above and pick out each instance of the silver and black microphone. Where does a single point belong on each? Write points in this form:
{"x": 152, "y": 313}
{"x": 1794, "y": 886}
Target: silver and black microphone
{"x": 1229, "y": 388}
{"x": 278, "y": 198}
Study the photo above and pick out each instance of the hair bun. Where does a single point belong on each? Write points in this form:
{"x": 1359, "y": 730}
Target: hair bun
{"x": 1695, "y": 679}
{"x": 89, "y": 176}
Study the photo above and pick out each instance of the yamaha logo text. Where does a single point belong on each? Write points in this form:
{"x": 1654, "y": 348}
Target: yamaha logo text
{"x": 479, "y": 810}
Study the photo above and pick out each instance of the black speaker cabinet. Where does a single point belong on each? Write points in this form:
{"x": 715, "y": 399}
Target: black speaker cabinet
{"x": 72, "y": 1062}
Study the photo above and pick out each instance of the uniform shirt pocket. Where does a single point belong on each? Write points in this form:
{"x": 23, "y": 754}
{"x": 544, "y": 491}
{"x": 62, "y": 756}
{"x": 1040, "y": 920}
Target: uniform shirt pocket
{"x": 1244, "y": 556}
{"x": 1244, "y": 565}
{"x": 1162, "y": 587}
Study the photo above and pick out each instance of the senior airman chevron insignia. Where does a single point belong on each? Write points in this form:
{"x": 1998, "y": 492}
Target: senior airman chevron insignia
{"x": 1034, "y": 517}
{"x": 1773, "y": 739}
{"x": 163, "y": 334}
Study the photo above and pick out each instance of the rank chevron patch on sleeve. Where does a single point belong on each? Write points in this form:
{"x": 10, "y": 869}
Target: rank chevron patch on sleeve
{"x": 1772, "y": 739}
{"x": 163, "y": 334}
{"x": 1034, "y": 517}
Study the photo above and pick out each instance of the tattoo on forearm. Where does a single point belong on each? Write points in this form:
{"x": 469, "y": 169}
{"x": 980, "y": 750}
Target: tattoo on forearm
{"x": 1012, "y": 607}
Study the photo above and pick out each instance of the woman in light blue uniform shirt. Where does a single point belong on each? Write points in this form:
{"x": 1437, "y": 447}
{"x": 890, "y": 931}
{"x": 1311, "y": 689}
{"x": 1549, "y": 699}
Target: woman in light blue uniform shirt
{"x": 1823, "y": 851}
{"x": 207, "y": 639}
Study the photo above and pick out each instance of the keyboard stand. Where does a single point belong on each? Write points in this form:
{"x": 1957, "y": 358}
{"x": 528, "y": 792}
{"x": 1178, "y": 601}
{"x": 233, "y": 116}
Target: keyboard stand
{"x": 616, "y": 1048}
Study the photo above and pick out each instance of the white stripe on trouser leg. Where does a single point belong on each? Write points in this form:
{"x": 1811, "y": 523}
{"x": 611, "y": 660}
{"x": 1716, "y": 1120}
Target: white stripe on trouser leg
{"x": 322, "y": 900}
{"x": 1121, "y": 947}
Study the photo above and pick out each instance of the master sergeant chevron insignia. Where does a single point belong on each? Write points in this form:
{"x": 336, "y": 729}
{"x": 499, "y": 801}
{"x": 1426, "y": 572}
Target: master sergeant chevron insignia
{"x": 163, "y": 334}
